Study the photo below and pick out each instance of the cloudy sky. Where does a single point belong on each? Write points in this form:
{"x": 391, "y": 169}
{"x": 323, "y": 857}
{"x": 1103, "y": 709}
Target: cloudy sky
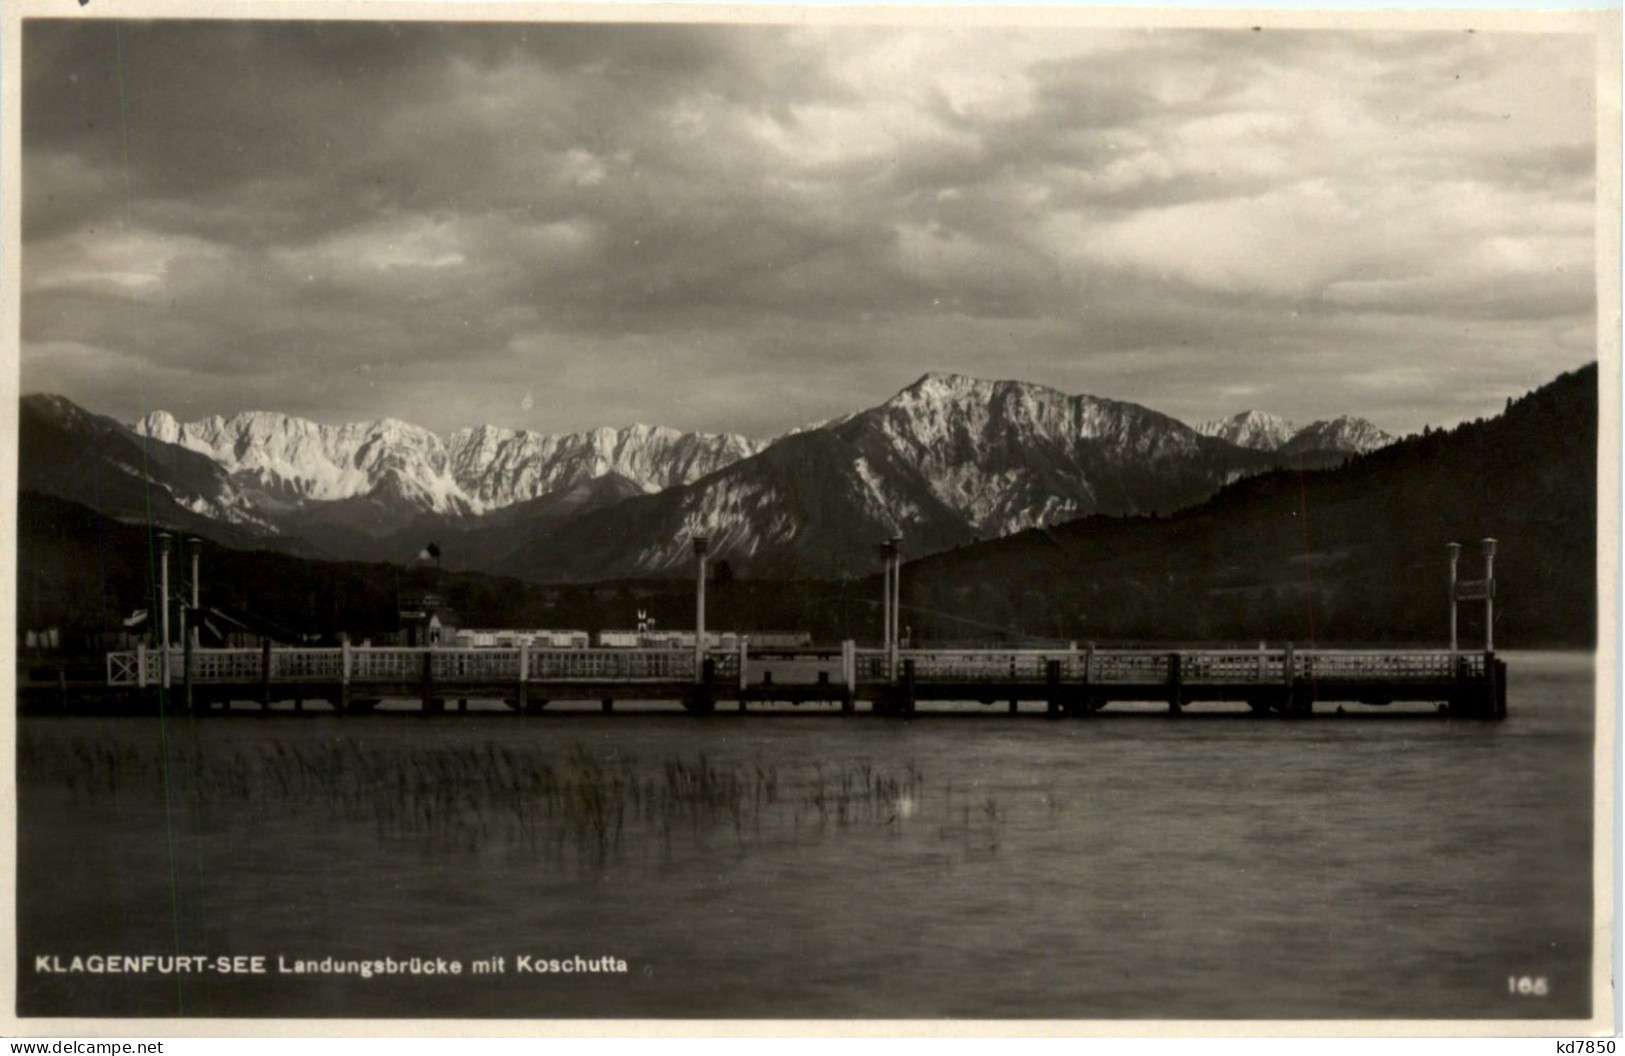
{"x": 749, "y": 228}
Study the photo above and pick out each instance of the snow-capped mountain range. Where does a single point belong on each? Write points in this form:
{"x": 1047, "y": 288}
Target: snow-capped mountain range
{"x": 473, "y": 471}
{"x": 947, "y": 460}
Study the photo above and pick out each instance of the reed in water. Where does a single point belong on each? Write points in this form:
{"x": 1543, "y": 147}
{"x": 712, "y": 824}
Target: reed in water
{"x": 592, "y": 808}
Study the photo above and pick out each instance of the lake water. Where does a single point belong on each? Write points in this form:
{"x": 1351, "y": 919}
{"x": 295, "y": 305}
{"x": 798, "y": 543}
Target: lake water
{"x": 815, "y": 866}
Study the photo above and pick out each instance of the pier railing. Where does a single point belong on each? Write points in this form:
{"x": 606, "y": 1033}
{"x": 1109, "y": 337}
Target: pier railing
{"x": 1195, "y": 666}
{"x": 391, "y": 665}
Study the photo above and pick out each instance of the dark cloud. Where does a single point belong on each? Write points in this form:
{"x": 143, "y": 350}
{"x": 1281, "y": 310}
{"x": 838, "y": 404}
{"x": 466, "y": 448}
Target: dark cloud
{"x": 752, "y": 227}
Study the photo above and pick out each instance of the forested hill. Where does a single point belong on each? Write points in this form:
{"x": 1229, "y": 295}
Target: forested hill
{"x": 1352, "y": 554}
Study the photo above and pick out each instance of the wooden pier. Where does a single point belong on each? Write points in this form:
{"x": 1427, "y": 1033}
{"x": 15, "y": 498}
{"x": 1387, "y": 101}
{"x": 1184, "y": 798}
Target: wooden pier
{"x": 1077, "y": 681}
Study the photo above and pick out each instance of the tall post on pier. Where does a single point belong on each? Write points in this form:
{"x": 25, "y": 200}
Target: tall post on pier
{"x": 1454, "y": 550}
{"x": 885, "y": 594}
{"x": 1489, "y": 596}
{"x": 896, "y": 600}
{"x": 849, "y": 675}
{"x": 702, "y": 546}
{"x": 186, "y": 661}
{"x": 891, "y": 608}
{"x": 163, "y": 608}
{"x": 1289, "y": 670}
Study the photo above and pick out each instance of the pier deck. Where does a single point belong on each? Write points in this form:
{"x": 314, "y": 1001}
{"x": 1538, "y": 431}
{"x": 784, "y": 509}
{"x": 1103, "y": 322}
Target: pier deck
{"x": 1071, "y": 681}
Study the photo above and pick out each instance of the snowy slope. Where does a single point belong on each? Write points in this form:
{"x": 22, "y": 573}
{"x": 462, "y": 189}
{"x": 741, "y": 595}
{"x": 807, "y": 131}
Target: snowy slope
{"x": 474, "y": 471}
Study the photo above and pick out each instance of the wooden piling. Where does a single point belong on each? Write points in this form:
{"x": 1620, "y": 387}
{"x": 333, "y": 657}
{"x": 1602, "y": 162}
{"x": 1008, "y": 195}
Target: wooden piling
{"x": 265, "y": 674}
{"x": 1052, "y": 688}
{"x": 1300, "y": 695}
{"x": 702, "y": 698}
{"x": 1479, "y": 697}
{"x": 1086, "y": 699}
{"x": 908, "y": 687}
{"x": 426, "y": 682}
{"x": 1176, "y": 684}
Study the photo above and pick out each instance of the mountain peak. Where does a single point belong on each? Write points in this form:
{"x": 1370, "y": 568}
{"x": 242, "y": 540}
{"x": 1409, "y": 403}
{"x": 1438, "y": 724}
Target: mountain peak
{"x": 1262, "y": 431}
{"x": 956, "y": 382}
{"x": 159, "y": 424}
{"x": 1258, "y": 430}
{"x": 1343, "y": 433}
{"x": 395, "y": 425}
{"x": 938, "y": 386}
{"x": 1259, "y": 417}
{"x": 934, "y": 382}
